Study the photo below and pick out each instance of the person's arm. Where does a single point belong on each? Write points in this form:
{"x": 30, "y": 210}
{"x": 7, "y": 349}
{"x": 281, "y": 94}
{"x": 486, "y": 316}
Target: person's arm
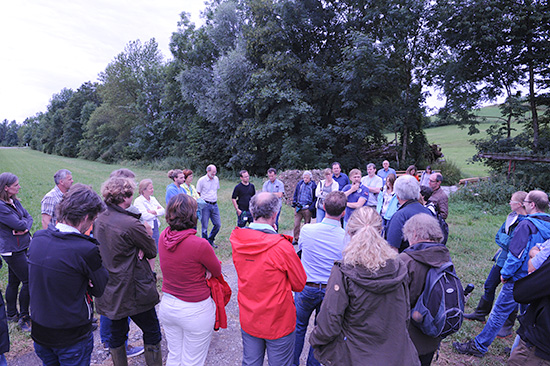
{"x": 354, "y": 187}
{"x": 394, "y": 232}
{"x": 286, "y": 260}
{"x": 96, "y": 273}
{"x": 210, "y": 261}
{"x": 333, "y": 308}
{"x": 47, "y": 206}
{"x": 295, "y": 197}
{"x": 142, "y": 240}
{"x": 516, "y": 250}
{"x": 46, "y": 219}
{"x": 160, "y": 210}
{"x": 360, "y": 203}
{"x": 140, "y": 205}
{"x": 234, "y": 200}
{"x": 10, "y": 219}
{"x": 444, "y": 206}
{"x": 539, "y": 256}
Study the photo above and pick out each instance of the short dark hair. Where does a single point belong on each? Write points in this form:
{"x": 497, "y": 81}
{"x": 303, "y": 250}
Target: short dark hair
{"x": 336, "y": 163}
{"x": 80, "y": 202}
{"x": 426, "y": 192}
{"x": 123, "y": 172}
{"x": 187, "y": 172}
{"x": 263, "y": 205}
{"x": 335, "y": 203}
{"x": 438, "y": 177}
{"x": 271, "y": 170}
{"x": 242, "y": 172}
{"x": 181, "y": 213}
{"x": 115, "y": 189}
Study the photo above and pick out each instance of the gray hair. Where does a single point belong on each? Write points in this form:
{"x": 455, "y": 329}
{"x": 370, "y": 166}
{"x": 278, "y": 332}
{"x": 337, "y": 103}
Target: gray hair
{"x": 209, "y": 168}
{"x": 371, "y": 165}
{"x": 264, "y": 205}
{"x": 308, "y": 173}
{"x": 422, "y": 227}
{"x": 407, "y": 188}
{"x": 61, "y": 174}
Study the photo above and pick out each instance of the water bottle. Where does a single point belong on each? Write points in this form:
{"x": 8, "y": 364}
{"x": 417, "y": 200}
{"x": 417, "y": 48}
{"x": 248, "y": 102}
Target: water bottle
{"x": 468, "y": 291}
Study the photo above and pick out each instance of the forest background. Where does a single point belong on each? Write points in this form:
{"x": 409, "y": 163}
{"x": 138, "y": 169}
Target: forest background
{"x": 299, "y": 84}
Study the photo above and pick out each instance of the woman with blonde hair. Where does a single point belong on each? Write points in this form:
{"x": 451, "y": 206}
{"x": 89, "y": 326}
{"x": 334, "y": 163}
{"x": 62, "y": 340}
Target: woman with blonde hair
{"x": 149, "y": 207}
{"x": 324, "y": 187}
{"x": 364, "y": 315}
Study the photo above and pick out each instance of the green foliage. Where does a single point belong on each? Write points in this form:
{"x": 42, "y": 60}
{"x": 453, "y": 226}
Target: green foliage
{"x": 9, "y": 133}
{"x": 450, "y": 171}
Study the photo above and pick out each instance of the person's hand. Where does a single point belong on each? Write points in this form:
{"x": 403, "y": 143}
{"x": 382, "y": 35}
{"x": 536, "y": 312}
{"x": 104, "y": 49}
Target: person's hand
{"x": 141, "y": 254}
{"x": 355, "y": 187}
{"x": 502, "y": 279}
{"x": 16, "y": 232}
{"x": 239, "y": 212}
{"x": 153, "y": 212}
{"x": 208, "y": 275}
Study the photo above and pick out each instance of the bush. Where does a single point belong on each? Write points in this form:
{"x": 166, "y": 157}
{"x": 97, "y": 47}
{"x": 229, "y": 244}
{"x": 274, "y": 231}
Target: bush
{"x": 492, "y": 194}
{"x": 450, "y": 171}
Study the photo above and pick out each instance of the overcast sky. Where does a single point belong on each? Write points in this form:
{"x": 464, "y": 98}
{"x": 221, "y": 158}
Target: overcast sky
{"x": 48, "y": 45}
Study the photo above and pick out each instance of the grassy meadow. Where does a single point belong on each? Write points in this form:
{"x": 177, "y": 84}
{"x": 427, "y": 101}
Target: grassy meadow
{"x": 471, "y": 238}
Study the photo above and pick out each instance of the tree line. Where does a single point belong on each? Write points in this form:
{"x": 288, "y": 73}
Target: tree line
{"x": 301, "y": 83}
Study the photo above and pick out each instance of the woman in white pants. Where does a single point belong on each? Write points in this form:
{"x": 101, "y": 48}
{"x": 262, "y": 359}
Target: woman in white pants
{"x": 187, "y": 311}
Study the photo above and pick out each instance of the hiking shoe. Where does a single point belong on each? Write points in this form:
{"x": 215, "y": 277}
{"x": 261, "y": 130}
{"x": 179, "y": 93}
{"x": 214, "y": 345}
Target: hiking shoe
{"x": 13, "y": 318}
{"x": 133, "y": 351}
{"x": 25, "y": 324}
{"x": 467, "y": 348}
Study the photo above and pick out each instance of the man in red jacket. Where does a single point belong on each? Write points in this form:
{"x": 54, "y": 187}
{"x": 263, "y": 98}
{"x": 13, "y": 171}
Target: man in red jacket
{"x": 268, "y": 270}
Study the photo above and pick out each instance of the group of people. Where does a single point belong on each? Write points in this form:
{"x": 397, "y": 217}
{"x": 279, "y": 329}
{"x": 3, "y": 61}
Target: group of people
{"x": 361, "y": 268}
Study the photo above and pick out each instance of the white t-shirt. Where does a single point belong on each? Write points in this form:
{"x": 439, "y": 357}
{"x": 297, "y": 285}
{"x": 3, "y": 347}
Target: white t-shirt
{"x": 375, "y": 181}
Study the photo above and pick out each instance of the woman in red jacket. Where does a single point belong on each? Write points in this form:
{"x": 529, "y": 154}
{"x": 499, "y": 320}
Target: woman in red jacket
{"x": 187, "y": 311}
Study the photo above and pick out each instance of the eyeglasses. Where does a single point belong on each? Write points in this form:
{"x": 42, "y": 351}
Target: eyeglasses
{"x": 518, "y": 202}
{"x": 527, "y": 201}
{"x": 433, "y": 181}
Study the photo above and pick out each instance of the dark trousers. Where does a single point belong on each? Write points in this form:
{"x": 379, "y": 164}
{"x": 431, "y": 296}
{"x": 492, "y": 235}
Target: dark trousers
{"x": 491, "y": 284}
{"x": 18, "y": 274}
{"x": 146, "y": 321}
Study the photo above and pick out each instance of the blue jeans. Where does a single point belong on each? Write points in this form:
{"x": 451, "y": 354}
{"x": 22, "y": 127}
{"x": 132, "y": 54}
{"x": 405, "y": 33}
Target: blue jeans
{"x": 277, "y": 219}
{"x": 491, "y": 283}
{"x": 279, "y": 351}
{"x": 210, "y": 212}
{"x": 18, "y": 274}
{"x": 146, "y": 321}
{"x": 504, "y": 305}
{"x": 306, "y": 301}
{"x": 78, "y": 354}
{"x": 105, "y": 329}
{"x": 320, "y": 215}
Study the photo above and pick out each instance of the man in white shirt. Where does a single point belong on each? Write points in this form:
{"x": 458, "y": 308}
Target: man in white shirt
{"x": 207, "y": 187}
{"x": 374, "y": 183}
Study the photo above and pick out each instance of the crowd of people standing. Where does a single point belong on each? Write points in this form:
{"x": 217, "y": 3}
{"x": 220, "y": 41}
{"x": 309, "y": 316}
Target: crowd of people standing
{"x": 361, "y": 267}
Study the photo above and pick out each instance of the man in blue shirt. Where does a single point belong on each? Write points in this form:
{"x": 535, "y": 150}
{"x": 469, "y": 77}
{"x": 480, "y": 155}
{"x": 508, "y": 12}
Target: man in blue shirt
{"x": 357, "y": 194}
{"x": 385, "y": 171}
{"x": 338, "y": 176}
{"x": 303, "y": 203}
{"x": 321, "y": 244}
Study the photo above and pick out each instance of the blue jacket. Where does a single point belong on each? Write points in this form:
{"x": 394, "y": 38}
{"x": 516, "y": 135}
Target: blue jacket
{"x": 299, "y": 187}
{"x": 14, "y": 219}
{"x": 533, "y": 229}
{"x": 504, "y": 235}
{"x": 61, "y": 267}
{"x": 392, "y": 206}
{"x": 172, "y": 190}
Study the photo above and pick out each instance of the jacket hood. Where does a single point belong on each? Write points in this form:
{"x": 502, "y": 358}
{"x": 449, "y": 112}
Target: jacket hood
{"x": 172, "y": 238}
{"x": 253, "y": 242}
{"x": 431, "y": 254}
{"x": 385, "y": 280}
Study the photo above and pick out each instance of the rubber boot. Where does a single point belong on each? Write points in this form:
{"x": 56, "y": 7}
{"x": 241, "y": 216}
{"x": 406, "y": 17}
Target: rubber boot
{"x": 153, "y": 355}
{"x": 118, "y": 355}
{"x": 483, "y": 309}
{"x": 508, "y": 326}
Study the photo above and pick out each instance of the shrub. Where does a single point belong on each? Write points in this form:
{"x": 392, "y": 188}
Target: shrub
{"x": 450, "y": 171}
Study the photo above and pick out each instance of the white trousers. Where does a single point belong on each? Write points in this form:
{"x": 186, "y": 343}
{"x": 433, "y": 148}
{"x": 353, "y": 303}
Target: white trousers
{"x": 188, "y": 327}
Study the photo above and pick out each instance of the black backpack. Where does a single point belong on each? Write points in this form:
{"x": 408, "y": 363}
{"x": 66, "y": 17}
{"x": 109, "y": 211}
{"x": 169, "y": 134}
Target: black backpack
{"x": 439, "y": 310}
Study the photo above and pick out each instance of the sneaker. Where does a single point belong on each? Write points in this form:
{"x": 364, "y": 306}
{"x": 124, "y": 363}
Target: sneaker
{"x": 106, "y": 346}
{"x": 467, "y": 348}
{"x": 25, "y": 324}
{"x": 133, "y": 351}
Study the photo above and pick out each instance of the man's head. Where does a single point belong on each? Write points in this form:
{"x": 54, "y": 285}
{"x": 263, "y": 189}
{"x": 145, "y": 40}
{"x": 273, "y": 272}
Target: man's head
{"x": 435, "y": 181}
{"x": 264, "y": 205}
{"x": 407, "y": 188}
{"x": 386, "y": 165}
{"x": 245, "y": 177}
{"x": 272, "y": 174}
{"x": 371, "y": 169}
{"x": 306, "y": 176}
{"x": 335, "y": 204}
{"x": 336, "y": 169}
{"x": 422, "y": 228}
{"x": 536, "y": 202}
{"x": 355, "y": 176}
{"x": 211, "y": 171}
{"x": 63, "y": 178}
{"x": 79, "y": 207}
{"x": 177, "y": 176}
{"x": 118, "y": 191}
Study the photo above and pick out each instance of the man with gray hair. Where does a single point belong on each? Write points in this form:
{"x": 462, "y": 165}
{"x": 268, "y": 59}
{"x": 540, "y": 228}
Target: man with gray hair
{"x": 407, "y": 191}
{"x": 207, "y": 187}
{"x": 268, "y": 271}
{"x": 374, "y": 183}
{"x": 303, "y": 202}
{"x": 63, "y": 181}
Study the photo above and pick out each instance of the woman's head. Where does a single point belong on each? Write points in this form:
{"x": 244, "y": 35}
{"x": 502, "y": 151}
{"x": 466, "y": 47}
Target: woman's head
{"x": 328, "y": 174}
{"x": 516, "y": 202}
{"x": 429, "y": 169}
{"x": 422, "y": 228}
{"x": 411, "y": 170}
{"x": 181, "y": 213}
{"x": 366, "y": 247}
{"x": 9, "y": 186}
{"x": 144, "y": 187}
{"x": 116, "y": 190}
{"x": 188, "y": 175}
{"x": 390, "y": 180}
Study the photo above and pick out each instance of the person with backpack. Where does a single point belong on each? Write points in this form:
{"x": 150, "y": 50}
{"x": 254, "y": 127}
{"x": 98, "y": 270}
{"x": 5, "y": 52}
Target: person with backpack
{"x": 425, "y": 252}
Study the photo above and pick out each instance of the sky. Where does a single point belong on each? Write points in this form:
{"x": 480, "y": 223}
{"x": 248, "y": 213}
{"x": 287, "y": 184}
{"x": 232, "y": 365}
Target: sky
{"x": 48, "y": 45}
